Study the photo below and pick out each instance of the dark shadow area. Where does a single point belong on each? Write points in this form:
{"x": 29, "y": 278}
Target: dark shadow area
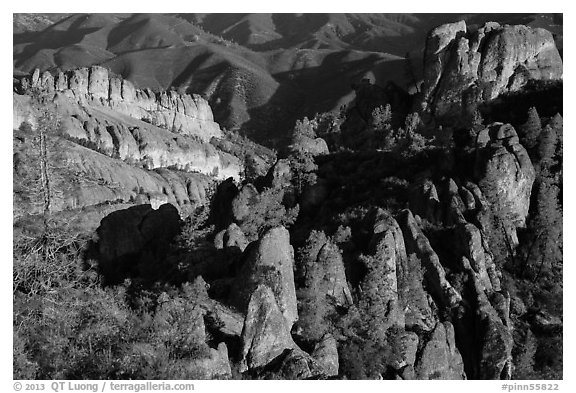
{"x": 308, "y": 91}
{"x": 134, "y": 243}
{"x": 545, "y": 96}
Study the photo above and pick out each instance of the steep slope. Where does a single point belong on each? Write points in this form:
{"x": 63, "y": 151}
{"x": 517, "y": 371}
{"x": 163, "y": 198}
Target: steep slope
{"x": 116, "y": 143}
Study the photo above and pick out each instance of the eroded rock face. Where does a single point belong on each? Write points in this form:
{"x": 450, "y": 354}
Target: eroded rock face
{"x": 266, "y": 334}
{"x": 231, "y": 237}
{"x": 299, "y": 365}
{"x": 388, "y": 255}
{"x": 493, "y": 330}
{"x": 114, "y": 157}
{"x": 181, "y": 113}
{"x": 326, "y": 354}
{"x": 405, "y": 347}
{"x": 105, "y": 179}
{"x": 504, "y": 171}
{"x": 324, "y": 271}
{"x": 469, "y": 241}
{"x": 435, "y": 276}
{"x": 463, "y": 68}
{"x": 269, "y": 261}
{"x": 214, "y": 366}
{"x": 440, "y": 359}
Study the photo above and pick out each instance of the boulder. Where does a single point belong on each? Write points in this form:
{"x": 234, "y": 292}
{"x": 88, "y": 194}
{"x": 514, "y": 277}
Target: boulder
{"x": 299, "y": 365}
{"x": 424, "y": 200}
{"x": 440, "y": 358}
{"x": 215, "y": 366}
{"x": 326, "y": 355}
{"x": 231, "y": 237}
{"x": 266, "y": 333}
{"x": 305, "y": 144}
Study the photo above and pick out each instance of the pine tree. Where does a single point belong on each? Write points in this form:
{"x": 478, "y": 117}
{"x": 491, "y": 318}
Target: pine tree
{"x": 42, "y": 180}
{"x": 530, "y": 131}
{"x": 557, "y": 124}
{"x": 545, "y": 251}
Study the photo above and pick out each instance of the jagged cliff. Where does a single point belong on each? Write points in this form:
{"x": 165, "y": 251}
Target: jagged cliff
{"x": 463, "y": 68}
{"x": 125, "y": 144}
{"x": 180, "y": 113}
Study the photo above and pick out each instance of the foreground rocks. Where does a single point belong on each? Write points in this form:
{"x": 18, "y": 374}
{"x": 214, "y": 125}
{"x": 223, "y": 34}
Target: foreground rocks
{"x": 440, "y": 359}
{"x": 266, "y": 334}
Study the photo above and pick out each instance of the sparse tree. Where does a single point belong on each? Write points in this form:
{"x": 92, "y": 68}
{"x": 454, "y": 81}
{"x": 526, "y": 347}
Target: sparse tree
{"x": 381, "y": 118}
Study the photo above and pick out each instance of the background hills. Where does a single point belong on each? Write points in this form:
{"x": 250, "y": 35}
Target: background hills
{"x": 259, "y": 72}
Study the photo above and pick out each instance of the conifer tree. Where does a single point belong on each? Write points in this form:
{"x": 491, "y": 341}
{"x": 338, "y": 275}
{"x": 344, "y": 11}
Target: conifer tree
{"x": 530, "y": 131}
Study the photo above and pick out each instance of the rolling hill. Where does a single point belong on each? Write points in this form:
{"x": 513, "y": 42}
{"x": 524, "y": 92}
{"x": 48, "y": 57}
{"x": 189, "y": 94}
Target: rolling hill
{"x": 259, "y": 72}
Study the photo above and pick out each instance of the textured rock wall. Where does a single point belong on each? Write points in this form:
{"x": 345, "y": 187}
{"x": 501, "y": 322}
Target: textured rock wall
{"x": 181, "y": 113}
{"x": 463, "y": 68}
{"x": 504, "y": 171}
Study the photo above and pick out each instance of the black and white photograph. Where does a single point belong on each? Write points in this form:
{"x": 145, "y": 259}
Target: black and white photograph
{"x": 286, "y": 196}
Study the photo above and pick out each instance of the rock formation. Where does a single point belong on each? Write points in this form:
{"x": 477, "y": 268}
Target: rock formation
{"x": 493, "y": 330}
{"x": 266, "y": 333}
{"x": 108, "y": 154}
{"x": 129, "y": 240}
{"x": 386, "y": 262}
{"x": 179, "y": 113}
{"x": 269, "y": 261}
{"x": 215, "y": 366}
{"x": 231, "y": 237}
{"x": 504, "y": 171}
{"x": 440, "y": 359}
{"x": 435, "y": 275}
{"x": 326, "y": 354}
{"x": 463, "y": 68}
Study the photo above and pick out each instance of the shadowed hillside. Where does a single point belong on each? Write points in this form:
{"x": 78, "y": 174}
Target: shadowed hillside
{"x": 255, "y": 69}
